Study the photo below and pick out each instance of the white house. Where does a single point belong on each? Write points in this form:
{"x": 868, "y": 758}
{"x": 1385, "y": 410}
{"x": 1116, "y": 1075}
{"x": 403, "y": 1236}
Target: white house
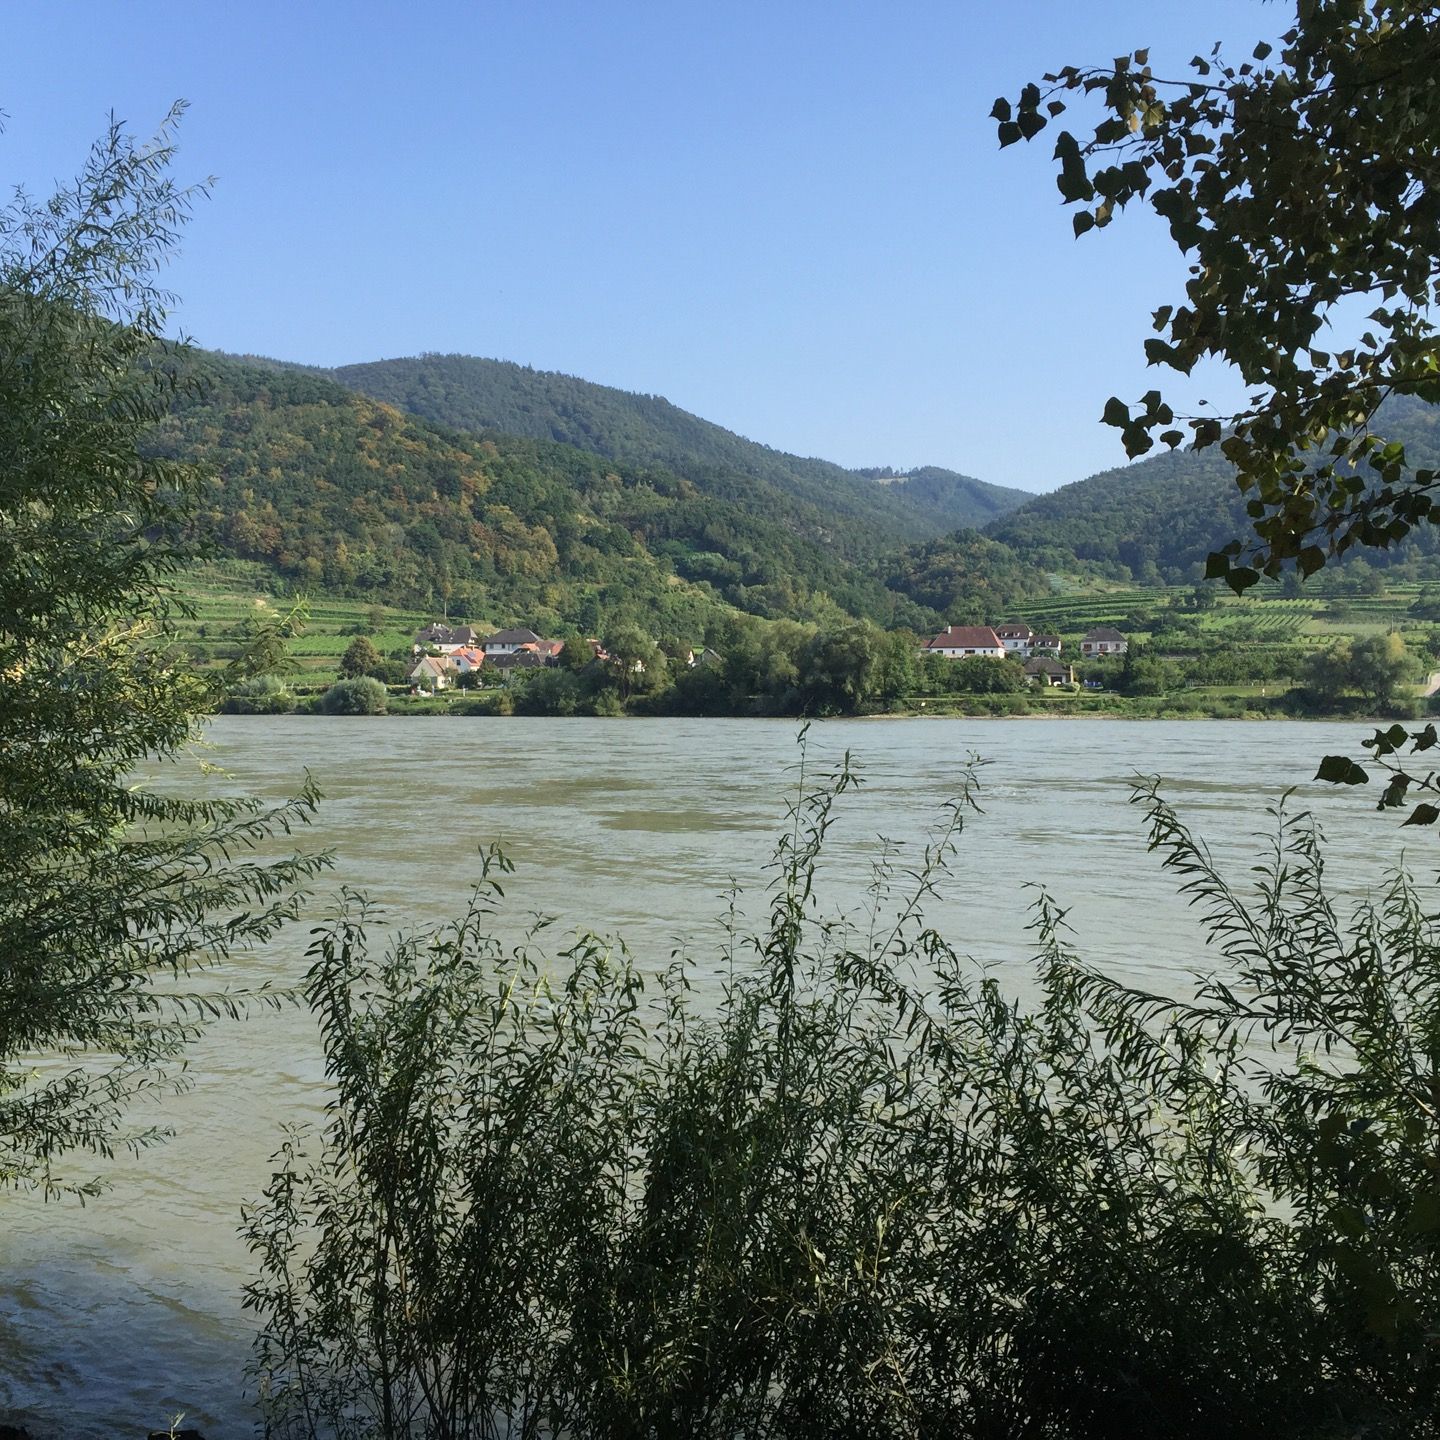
{"x": 507, "y": 642}
{"x": 1103, "y": 640}
{"x": 445, "y": 638}
{"x": 1015, "y": 636}
{"x": 433, "y": 672}
{"x": 960, "y": 642}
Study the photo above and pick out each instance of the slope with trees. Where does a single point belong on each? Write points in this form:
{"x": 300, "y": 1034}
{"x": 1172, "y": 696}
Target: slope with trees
{"x": 474, "y": 394}
{"x": 1156, "y": 521}
{"x": 339, "y": 493}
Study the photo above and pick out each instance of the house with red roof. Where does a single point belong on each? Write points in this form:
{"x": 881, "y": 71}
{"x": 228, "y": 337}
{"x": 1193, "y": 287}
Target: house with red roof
{"x": 961, "y": 642}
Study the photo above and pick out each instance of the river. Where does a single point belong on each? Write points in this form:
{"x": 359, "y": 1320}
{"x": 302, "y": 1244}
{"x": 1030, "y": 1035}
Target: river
{"x": 118, "y": 1316}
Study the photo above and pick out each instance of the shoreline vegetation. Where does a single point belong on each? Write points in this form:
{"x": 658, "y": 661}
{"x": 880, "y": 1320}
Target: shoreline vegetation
{"x": 461, "y": 707}
{"x": 1350, "y": 647}
{"x": 876, "y": 1193}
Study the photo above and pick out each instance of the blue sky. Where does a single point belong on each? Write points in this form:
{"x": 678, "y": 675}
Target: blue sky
{"x": 790, "y": 218}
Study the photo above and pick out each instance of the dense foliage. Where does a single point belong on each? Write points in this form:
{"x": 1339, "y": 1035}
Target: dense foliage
{"x": 874, "y": 1195}
{"x": 1304, "y": 186}
{"x": 112, "y": 895}
{"x": 339, "y": 493}
{"x": 476, "y": 395}
{"x": 965, "y": 575}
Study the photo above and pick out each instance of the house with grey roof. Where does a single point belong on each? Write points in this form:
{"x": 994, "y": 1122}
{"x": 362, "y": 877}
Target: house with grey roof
{"x": 507, "y": 642}
{"x": 1103, "y": 640}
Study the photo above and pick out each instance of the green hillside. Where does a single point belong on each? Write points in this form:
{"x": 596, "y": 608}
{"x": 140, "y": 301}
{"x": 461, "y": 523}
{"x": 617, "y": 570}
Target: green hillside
{"x": 472, "y": 394}
{"x": 1155, "y": 521}
{"x": 335, "y": 493}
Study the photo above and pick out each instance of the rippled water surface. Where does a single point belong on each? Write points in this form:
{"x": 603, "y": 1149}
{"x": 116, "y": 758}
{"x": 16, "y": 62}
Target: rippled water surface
{"x": 117, "y": 1316}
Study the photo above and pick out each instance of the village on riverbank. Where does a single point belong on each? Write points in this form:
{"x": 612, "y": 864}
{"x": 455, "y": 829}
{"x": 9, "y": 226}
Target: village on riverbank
{"x": 1160, "y": 651}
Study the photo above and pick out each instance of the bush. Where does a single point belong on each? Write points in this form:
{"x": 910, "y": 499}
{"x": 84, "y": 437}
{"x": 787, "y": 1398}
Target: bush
{"x": 260, "y": 695}
{"x": 487, "y": 702}
{"x": 363, "y": 695}
{"x": 874, "y": 1195}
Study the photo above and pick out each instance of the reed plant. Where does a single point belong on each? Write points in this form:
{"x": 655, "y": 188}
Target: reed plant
{"x": 872, "y": 1194}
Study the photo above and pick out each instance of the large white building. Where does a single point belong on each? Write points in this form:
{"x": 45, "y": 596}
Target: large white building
{"x": 960, "y": 642}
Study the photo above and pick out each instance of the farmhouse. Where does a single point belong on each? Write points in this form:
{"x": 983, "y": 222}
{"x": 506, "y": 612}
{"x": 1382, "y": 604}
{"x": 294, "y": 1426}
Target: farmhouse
{"x": 1103, "y": 640}
{"x": 959, "y": 642}
{"x": 1041, "y": 671}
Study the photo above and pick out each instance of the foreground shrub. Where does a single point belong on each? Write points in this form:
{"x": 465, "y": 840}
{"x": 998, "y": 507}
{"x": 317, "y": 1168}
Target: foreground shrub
{"x": 872, "y": 1195}
{"x": 363, "y": 695}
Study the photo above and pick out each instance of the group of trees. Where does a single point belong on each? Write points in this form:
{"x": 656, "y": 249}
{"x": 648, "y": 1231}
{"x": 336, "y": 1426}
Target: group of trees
{"x": 332, "y": 490}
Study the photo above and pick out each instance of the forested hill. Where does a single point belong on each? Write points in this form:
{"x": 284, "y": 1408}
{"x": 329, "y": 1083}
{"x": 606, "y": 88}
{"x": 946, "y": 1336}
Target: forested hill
{"x": 1158, "y": 519}
{"x": 472, "y": 394}
{"x": 333, "y": 491}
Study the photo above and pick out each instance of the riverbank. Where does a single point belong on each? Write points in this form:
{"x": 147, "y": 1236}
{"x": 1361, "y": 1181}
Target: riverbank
{"x": 1106, "y": 705}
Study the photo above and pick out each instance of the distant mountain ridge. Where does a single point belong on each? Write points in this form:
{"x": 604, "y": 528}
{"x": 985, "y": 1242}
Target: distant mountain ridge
{"x": 595, "y": 481}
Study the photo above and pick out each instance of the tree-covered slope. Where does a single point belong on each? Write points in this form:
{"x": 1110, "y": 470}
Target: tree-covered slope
{"x": 338, "y": 493}
{"x": 1158, "y": 519}
{"x": 467, "y": 393}
{"x": 952, "y": 500}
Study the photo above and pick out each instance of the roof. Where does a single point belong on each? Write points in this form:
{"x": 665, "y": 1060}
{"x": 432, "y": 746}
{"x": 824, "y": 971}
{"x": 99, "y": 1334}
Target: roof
{"x": 438, "y": 632}
{"x": 1045, "y": 640}
{"x": 469, "y": 653}
{"x": 966, "y": 637}
{"x": 1041, "y": 666}
{"x": 1014, "y": 627}
{"x": 1105, "y": 632}
{"x": 513, "y": 637}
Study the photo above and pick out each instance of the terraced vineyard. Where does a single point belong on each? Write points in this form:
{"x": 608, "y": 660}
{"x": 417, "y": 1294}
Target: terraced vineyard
{"x": 226, "y": 601}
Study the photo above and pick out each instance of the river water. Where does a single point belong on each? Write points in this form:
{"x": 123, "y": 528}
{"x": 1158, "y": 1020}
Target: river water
{"x": 118, "y": 1316}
